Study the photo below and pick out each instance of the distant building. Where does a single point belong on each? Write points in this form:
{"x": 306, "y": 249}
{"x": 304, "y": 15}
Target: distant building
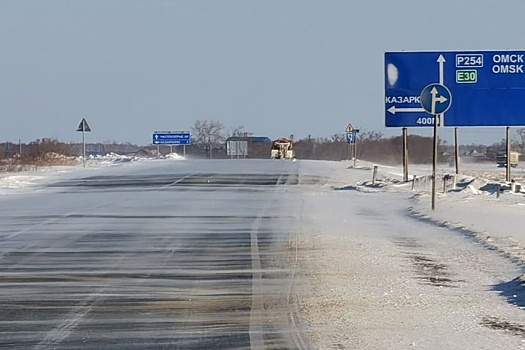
{"x": 248, "y": 147}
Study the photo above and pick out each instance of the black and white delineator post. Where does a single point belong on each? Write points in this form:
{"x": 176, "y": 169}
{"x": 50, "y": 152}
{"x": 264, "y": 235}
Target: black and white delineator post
{"x": 84, "y": 127}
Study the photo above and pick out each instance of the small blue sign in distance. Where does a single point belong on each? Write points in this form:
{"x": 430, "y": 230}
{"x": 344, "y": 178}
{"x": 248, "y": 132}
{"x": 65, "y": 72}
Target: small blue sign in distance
{"x": 171, "y": 138}
{"x": 351, "y": 137}
{"x": 486, "y": 88}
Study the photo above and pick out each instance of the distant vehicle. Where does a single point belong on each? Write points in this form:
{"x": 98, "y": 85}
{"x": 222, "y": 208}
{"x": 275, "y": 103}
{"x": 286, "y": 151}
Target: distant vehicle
{"x": 501, "y": 159}
{"x": 282, "y": 149}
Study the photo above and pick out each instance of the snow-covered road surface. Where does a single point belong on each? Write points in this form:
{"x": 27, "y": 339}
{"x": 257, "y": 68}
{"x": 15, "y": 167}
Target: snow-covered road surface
{"x": 158, "y": 255}
{"x": 256, "y": 254}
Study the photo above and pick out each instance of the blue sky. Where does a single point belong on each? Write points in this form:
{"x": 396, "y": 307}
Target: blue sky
{"x": 275, "y": 67}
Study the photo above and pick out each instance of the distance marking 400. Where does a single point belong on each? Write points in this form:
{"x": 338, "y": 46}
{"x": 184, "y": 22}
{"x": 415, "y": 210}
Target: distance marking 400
{"x": 425, "y": 121}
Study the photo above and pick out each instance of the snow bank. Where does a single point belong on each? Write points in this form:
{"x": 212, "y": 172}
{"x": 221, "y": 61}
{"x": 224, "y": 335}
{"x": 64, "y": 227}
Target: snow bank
{"x": 479, "y": 203}
{"x": 173, "y": 156}
{"x": 31, "y": 180}
{"x": 380, "y": 277}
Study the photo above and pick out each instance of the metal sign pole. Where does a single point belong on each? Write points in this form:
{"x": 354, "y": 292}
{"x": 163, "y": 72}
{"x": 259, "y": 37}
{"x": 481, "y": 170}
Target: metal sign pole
{"x": 355, "y": 150}
{"x": 508, "y": 175}
{"x": 84, "y": 127}
{"x": 405, "y": 155}
{"x": 434, "y": 161}
{"x": 456, "y": 146}
{"x": 83, "y": 147}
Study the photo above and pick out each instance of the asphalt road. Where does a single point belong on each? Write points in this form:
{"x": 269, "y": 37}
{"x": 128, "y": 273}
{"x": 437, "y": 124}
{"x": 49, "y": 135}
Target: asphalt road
{"x": 158, "y": 255}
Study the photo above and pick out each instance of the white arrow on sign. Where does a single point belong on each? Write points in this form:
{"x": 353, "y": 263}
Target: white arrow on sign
{"x": 441, "y": 60}
{"x": 395, "y": 109}
{"x": 435, "y": 99}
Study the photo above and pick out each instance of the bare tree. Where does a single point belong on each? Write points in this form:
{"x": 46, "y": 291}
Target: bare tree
{"x": 208, "y": 133}
{"x": 338, "y": 138}
{"x": 370, "y": 136}
{"x": 519, "y": 140}
{"x": 238, "y": 132}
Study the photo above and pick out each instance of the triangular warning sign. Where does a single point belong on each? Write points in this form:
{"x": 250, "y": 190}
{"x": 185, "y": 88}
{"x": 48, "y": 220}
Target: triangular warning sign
{"x": 83, "y": 126}
{"x": 349, "y": 128}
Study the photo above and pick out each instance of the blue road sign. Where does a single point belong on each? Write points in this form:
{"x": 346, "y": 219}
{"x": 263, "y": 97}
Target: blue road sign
{"x": 481, "y": 88}
{"x": 171, "y": 138}
{"x": 435, "y": 99}
{"x": 351, "y": 137}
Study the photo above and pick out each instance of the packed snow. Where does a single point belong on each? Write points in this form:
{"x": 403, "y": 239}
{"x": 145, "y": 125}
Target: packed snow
{"x": 35, "y": 179}
{"x": 387, "y": 272}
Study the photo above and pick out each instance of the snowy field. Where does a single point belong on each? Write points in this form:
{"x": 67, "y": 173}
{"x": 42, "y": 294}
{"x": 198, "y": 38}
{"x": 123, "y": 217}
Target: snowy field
{"x": 382, "y": 270}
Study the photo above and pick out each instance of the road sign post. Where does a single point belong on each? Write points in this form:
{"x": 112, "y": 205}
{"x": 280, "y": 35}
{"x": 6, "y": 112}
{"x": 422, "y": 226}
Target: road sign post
{"x": 405, "y": 155}
{"x": 507, "y": 151}
{"x": 436, "y": 99}
{"x": 434, "y": 161}
{"x": 456, "y": 149}
{"x": 351, "y": 139}
{"x": 84, "y": 127}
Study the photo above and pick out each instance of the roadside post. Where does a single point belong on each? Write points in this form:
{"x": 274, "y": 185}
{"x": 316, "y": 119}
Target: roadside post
{"x": 405, "y": 155}
{"x": 456, "y": 149}
{"x": 435, "y": 100}
{"x": 84, "y": 127}
{"x": 351, "y": 139}
{"x": 507, "y": 151}
{"x": 374, "y": 175}
{"x": 355, "y": 145}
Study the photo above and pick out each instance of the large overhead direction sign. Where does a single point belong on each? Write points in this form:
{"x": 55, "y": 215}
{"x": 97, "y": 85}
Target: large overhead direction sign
{"x": 171, "y": 138}
{"x": 467, "y": 88}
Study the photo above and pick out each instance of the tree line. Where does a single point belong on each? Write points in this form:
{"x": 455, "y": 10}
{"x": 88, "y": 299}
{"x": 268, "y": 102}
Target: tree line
{"x": 209, "y": 141}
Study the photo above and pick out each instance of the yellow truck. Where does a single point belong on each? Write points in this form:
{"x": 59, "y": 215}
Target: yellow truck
{"x": 282, "y": 149}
